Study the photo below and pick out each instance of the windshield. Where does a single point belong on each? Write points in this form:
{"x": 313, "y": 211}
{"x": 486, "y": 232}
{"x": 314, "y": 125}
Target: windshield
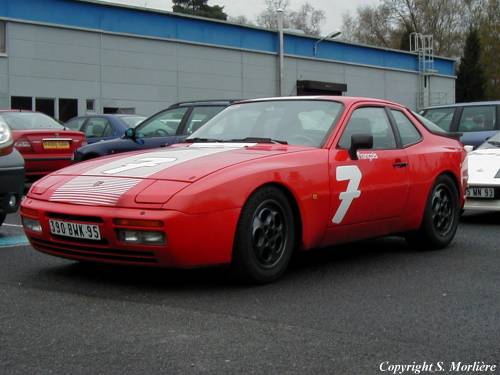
{"x": 29, "y": 121}
{"x": 132, "y": 121}
{"x": 297, "y": 122}
{"x": 492, "y": 142}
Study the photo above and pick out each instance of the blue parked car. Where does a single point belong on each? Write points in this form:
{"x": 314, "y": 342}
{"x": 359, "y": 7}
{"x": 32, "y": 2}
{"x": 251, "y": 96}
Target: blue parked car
{"x": 164, "y": 128}
{"x": 103, "y": 127}
{"x": 476, "y": 121}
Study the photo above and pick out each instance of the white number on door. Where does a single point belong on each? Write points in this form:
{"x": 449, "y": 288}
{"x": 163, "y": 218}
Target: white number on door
{"x": 352, "y": 174}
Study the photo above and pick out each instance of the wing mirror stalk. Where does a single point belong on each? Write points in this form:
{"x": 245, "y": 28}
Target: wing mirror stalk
{"x": 360, "y": 142}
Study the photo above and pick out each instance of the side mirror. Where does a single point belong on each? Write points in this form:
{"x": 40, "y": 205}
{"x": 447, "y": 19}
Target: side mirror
{"x": 130, "y": 133}
{"x": 360, "y": 142}
{"x": 468, "y": 148}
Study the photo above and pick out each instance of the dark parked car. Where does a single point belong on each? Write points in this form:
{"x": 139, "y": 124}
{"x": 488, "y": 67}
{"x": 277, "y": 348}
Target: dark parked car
{"x": 476, "y": 121}
{"x": 11, "y": 173}
{"x": 166, "y": 127}
{"x": 102, "y": 127}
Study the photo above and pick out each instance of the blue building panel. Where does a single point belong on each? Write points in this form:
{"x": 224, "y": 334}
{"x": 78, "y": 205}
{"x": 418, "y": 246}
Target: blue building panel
{"x": 74, "y": 13}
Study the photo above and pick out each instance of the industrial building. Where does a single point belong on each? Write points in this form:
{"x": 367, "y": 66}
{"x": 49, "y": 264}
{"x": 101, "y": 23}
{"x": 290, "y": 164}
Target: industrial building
{"x": 71, "y": 57}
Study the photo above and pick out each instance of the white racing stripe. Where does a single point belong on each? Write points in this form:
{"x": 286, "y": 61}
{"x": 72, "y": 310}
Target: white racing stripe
{"x": 104, "y": 185}
{"x": 145, "y": 165}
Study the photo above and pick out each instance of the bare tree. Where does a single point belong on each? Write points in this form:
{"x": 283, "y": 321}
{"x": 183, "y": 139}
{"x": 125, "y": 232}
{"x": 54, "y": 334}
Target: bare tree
{"x": 307, "y": 19}
{"x": 267, "y": 18}
{"x": 241, "y": 20}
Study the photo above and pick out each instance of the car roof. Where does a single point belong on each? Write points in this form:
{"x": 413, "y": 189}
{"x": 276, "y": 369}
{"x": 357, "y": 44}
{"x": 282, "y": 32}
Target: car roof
{"x": 213, "y": 102}
{"x": 469, "y": 104}
{"x": 342, "y": 99}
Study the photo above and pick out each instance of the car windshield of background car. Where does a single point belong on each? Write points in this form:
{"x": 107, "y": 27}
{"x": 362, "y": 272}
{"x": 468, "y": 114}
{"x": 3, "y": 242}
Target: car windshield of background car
{"x": 132, "y": 121}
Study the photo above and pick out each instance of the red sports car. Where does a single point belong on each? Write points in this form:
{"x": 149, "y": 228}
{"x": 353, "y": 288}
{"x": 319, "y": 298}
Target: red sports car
{"x": 45, "y": 144}
{"x": 261, "y": 179}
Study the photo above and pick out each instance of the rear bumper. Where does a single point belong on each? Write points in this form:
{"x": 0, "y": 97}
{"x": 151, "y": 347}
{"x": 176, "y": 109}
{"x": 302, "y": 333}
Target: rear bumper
{"x": 191, "y": 240}
{"x": 42, "y": 165}
{"x": 11, "y": 182}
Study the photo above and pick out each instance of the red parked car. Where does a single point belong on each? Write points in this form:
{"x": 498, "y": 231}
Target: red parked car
{"x": 45, "y": 145}
{"x": 259, "y": 180}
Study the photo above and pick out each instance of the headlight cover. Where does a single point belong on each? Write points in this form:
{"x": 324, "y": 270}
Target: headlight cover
{"x": 5, "y": 134}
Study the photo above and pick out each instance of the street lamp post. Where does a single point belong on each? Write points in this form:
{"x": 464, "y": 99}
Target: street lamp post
{"x": 281, "y": 63}
{"x": 332, "y": 35}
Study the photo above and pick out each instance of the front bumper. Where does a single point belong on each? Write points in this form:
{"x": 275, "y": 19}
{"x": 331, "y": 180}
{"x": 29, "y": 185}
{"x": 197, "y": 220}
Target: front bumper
{"x": 482, "y": 204}
{"x": 11, "y": 182}
{"x": 192, "y": 240}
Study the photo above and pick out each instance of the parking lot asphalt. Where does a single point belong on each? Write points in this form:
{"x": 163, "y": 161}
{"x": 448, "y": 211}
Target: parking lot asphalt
{"x": 342, "y": 310}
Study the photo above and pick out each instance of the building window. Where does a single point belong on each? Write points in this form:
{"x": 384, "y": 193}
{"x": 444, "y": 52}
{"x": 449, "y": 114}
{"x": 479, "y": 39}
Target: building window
{"x": 114, "y": 110}
{"x": 91, "y": 105}
{"x": 45, "y": 106}
{"x": 68, "y": 108}
{"x": 2, "y": 37}
{"x": 21, "y": 102}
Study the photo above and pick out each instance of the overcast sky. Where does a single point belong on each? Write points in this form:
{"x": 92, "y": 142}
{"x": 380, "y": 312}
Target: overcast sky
{"x": 334, "y": 9}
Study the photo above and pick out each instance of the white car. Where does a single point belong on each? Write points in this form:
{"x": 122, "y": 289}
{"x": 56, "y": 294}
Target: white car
{"x": 483, "y": 192}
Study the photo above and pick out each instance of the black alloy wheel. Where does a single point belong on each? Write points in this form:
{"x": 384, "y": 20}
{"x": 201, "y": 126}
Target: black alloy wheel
{"x": 265, "y": 237}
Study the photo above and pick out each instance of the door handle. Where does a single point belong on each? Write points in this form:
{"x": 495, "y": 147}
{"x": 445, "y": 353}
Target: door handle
{"x": 400, "y": 164}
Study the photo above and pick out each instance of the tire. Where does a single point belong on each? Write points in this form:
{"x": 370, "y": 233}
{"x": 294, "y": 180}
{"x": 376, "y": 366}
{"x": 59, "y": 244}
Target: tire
{"x": 441, "y": 217}
{"x": 2, "y": 218}
{"x": 265, "y": 237}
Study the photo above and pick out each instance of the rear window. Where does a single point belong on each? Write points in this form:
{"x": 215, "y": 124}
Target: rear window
{"x": 29, "y": 121}
{"x": 442, "y": 117}
{"x": 432, "y": 127}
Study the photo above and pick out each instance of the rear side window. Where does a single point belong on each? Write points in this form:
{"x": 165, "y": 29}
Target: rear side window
{"x": 477, "y": 118}
{"x": 407, "y": 131}
{"x": 97, "y": 127}
{"x": 442, "y": 117}
{"x": 372, "y": 121}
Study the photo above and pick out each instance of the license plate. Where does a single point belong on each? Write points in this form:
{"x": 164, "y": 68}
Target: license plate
{"x": 52, "y": 145}
{"x": 480, "y": 192}
{"x": 75, "y": 230}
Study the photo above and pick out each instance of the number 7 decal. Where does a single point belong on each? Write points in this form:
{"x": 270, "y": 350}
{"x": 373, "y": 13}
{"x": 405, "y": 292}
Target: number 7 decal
{"x": 352, "y": 174}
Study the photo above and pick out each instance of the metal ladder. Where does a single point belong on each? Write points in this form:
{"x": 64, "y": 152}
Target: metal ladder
{"x": 423, "y": 46}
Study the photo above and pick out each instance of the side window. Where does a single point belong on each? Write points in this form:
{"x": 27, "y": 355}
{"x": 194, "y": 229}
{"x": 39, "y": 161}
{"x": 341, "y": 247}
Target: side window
{"x": 477, "y": 118}
{"x": 164, "y": 124}
{"x": 76, "y": 123}
{"x": 369, "y": 120}
{"x": 96, "y": 127}
{"x": 407, "y": 131}
{"x": 442, "y": 117}
{"x": 199, "y": 116}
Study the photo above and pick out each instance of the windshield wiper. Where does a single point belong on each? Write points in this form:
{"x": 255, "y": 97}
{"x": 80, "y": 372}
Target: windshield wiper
{"x": 200, "y": 140}
{"x": 257, "y": 140}
{"x": 494, "y": 143}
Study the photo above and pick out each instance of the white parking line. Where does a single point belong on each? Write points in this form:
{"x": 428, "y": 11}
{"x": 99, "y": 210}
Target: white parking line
{"x": 13, "y": 225}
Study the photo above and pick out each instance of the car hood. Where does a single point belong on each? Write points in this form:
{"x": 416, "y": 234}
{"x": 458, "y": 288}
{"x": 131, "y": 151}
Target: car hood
{"x": 141, "y": 176}
{"x": 183, "y": 162}
{"x": 484, "y": 166}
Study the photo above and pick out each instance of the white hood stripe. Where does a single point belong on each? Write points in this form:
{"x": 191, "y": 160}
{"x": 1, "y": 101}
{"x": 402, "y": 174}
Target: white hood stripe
{"x": 104, "y": 185}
